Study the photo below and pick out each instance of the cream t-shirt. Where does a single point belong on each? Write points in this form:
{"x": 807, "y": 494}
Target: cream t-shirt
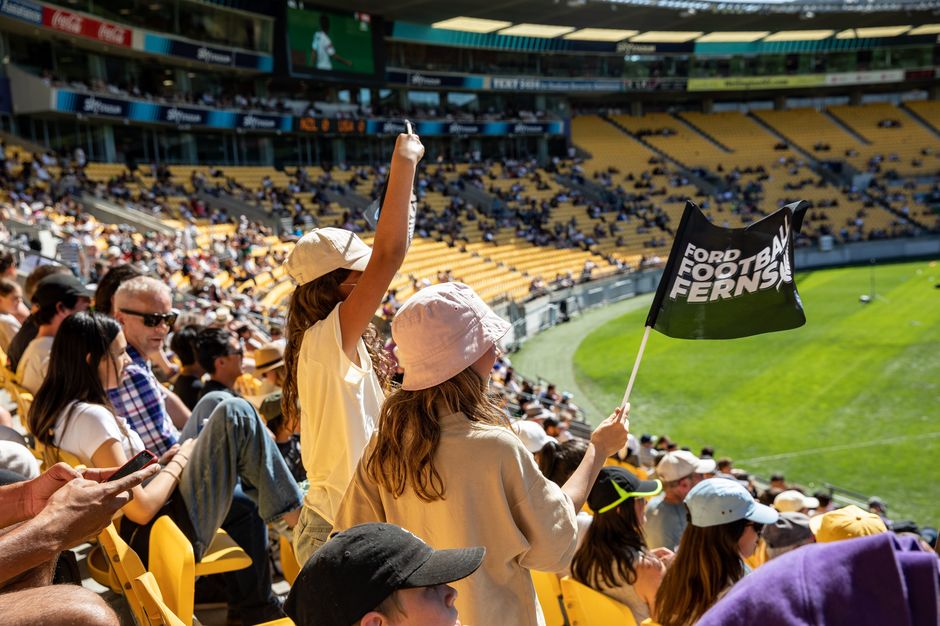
{"x": 339, "y": 408}
{"x": 34, "y": 363}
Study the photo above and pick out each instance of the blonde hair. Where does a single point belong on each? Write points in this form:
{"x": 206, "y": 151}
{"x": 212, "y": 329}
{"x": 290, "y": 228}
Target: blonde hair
{"x": 310, "y": 303}
{"x": 409, "y": 432}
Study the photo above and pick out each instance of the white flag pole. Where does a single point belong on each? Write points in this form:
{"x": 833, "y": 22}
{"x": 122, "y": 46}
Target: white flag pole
{"x": 636, "y": 368}
{"x": 626, "y": 396}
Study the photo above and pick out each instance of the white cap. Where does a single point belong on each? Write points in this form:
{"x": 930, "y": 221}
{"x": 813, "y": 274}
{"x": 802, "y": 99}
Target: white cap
{"x": 793, "y": 501}
{"x": 323, "y": 250}
{"x": 441, "y": 331}
{"x": 532, "y": 434}
{"x": 678, "y": 464}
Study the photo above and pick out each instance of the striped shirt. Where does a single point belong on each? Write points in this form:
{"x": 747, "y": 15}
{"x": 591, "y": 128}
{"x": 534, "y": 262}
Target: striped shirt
{"x": 140, "y": 400}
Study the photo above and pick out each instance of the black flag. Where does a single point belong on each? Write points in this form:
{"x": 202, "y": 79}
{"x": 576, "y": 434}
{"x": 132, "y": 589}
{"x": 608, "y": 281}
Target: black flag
{"x": 724, "y": 283}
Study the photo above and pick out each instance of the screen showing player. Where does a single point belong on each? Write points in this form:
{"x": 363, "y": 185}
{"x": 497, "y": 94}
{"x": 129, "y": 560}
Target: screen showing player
{"x": 329, "y": 41}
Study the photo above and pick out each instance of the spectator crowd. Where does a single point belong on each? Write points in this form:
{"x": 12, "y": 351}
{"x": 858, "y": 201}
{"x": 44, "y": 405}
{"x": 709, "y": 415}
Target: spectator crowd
{"x": 417, "y": 476}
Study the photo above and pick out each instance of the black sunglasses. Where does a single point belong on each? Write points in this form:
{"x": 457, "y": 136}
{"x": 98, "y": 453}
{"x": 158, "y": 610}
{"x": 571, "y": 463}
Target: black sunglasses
{"x": 758, "y": 528}
{"x": 152, "y": 320}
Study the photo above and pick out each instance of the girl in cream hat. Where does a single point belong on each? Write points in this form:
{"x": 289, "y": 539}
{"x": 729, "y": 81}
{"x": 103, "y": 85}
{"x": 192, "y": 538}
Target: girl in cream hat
{"x": 445, "y": 465}
{"x": 335, "y": 367}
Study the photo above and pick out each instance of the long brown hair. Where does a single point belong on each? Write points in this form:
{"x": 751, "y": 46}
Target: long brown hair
{"x": 83, "y": 340}
{"x": 409, "y": 432}
{"x": 310, "y": 303}
{"x": 612, "y": 547}
{"x": 707, "y": 562}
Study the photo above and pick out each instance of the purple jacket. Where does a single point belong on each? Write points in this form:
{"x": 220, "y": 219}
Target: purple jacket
{"x": 879, "y": 580}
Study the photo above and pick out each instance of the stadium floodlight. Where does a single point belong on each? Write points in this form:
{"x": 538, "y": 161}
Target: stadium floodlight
{"x": 882, "y": 31}
{"x": 601, "y": 34}
{"x": 926, "y": 29}
{"x": 471, "y": 24}
{"x": 743, "y": 36}
{"x": 547, "y": 31}
{"x": 799, "y": 35}
{"x": 666, "y": 36}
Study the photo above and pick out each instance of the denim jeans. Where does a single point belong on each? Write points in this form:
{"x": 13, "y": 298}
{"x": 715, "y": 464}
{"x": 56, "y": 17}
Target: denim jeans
{"x": 234, "y": 444}
{"x": 311, "y": 532}
{"x": 249, "y": 590}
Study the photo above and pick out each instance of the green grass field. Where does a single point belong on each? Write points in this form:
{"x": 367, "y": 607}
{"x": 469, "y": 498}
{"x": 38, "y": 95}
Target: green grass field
{"x": 852, "y": 398}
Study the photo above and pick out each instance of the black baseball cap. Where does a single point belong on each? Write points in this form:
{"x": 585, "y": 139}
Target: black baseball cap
{"x": 359, "y": 568}
{"x": 615, "y": 485}
{"x": 57, "y": 287}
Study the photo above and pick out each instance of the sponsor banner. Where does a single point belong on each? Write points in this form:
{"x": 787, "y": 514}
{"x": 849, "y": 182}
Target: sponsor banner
{"x": 444, "y": 128}
{"x": 90, "y": 104}
{"x": 22, "y": 10}
{"x": 88, "y": 27}
{"x": 530, "y": 83}
{"x": 152, "y": 113}
{"x": 212, "y": 55}
{"x": 500, "y": 83}
{"x": 747, "y": 83}
{"x": 270, "y": 123}
{"x": 630, "y": 48}
{"x": 865, "y": 78}
{"x": 431, "y": 79}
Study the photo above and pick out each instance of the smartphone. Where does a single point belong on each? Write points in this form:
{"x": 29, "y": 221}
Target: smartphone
{"x": 141, "y": 460}
{"x": 409, "y": 129}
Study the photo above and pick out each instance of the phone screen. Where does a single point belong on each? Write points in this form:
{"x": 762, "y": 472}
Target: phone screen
{"x": 141, "y": 460}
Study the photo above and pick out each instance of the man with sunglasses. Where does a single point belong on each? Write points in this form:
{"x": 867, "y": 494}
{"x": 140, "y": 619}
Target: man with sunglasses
{"x": 144, "y": 307}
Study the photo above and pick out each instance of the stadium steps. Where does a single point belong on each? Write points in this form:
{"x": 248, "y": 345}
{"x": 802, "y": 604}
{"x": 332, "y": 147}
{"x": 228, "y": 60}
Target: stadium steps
{"x": 236, "y": 208}
{"x": 845, "y": 126}
{"x": 702, "y": 133}
{"x": 920, "y": 119}
{"x": 661, "y": 154}
{"x": 782, "y": 137}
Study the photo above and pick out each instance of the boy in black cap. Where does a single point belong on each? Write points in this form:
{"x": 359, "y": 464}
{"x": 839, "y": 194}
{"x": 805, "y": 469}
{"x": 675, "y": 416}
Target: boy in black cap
{"x": 378, "y": 574}
{"x": 56, "y": 297}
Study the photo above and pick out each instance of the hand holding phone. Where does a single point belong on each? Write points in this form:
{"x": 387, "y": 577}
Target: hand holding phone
{"x": 139, "y": 461}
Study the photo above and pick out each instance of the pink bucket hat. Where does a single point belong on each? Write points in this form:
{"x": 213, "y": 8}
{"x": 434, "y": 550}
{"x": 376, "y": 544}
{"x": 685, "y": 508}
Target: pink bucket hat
{"x": 441, "y": 331}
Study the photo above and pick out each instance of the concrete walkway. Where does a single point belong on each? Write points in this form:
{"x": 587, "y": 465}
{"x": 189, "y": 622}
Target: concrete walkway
{"x": 550, "y": 355}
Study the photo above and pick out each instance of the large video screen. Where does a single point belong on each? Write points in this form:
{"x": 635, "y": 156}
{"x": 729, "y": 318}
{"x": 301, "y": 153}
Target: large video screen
{"x": 326, "y": 41}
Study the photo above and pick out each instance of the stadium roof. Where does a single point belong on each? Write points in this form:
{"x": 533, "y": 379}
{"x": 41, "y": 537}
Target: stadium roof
{"x": 658, "y": 15}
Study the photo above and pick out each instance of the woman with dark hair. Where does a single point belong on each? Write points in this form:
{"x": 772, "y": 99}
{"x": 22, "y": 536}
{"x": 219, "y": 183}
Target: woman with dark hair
{"x": 725, "y": 524}
{"x": 71, "y": 411}
{"x": 109, "y": 283}
{"x": 613, "y": 558}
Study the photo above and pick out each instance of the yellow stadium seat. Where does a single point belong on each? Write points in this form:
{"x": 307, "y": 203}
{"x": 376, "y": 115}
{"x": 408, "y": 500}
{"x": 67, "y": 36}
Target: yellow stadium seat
{"x": 548, "y": 590}
{"x": 587, "y": 607}
{"x": 173, "y": 563}
{"x": 158, "y": 613}
{"x": 125, "y": 567}
{"x": 289, "y": 565}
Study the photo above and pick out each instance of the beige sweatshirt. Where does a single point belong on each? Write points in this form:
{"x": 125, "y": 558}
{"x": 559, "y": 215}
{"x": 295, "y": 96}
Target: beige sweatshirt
{"x": 496, "y": 497}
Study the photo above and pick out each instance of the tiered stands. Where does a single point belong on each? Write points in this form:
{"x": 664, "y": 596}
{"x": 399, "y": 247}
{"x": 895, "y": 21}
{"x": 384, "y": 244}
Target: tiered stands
{"x": 900, "y": 147}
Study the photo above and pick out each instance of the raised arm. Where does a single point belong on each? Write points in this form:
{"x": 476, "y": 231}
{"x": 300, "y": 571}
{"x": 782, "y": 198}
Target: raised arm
{"x": 389, "y": 246}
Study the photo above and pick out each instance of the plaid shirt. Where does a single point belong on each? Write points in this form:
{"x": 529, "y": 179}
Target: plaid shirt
{"x": 139, "y": 400}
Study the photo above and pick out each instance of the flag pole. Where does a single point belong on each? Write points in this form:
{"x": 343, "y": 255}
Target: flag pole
{"x": 636, "y": 367}
{"x": 626, "y": 396}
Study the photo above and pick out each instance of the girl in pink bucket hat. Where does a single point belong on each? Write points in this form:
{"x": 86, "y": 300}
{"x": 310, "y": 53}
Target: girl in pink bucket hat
{"x": 445, "y": 465}
{"x": 336, "y": 367}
